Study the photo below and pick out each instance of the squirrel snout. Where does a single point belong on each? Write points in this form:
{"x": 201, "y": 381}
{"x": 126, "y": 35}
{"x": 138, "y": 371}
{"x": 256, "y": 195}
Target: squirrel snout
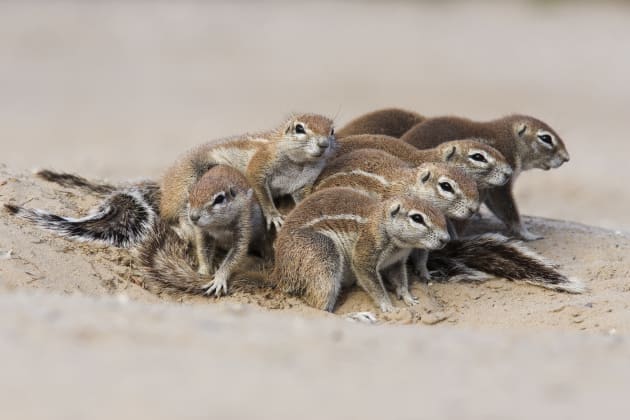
{"x": 194, "y": 215}
{"x": 444, "y": 238}
{"x": 323, "y": 142}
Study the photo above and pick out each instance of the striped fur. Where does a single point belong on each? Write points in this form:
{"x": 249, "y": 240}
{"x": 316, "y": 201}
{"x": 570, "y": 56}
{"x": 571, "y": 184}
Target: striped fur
{"x": 122, "y": 220}
{"x": 491, "y": 255}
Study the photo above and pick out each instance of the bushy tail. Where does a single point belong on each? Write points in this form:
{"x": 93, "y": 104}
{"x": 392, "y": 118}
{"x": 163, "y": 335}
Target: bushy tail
{"x": 493, "y": 255}
{"x": 74, "y": 181}
{"x": 150, "y": 190}
{"x": 168, "y": 265}
{"x": 123, "y": 219}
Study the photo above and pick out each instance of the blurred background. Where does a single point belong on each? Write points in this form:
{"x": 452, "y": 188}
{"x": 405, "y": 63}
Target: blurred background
{"x": 119, "y": 89}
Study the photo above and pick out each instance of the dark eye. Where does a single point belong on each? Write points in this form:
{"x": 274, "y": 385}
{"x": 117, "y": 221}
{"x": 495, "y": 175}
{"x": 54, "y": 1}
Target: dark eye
{"x": 418, "y": 219}
{"x": 478, "y": 157}
{"x": 446, "y": 187}
{"x": 299, "y": 129}
{"x": 218, "y": 199}
{"x": 546, "y": 138}
{"x": 332, "y": 132}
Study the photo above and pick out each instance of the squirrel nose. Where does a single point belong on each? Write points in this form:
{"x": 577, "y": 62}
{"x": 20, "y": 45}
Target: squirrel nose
{"x": 565, "y": 156}
{"x": 323, "y": 142}
{"x": 194, "y": 216}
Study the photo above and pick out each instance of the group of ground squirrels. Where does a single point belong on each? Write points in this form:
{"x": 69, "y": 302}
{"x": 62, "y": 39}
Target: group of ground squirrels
{"x": 310, "y": 210}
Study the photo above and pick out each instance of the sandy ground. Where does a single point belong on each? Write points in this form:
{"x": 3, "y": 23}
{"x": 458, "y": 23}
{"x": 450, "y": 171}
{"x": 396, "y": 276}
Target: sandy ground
{"x": 117, "y": 90}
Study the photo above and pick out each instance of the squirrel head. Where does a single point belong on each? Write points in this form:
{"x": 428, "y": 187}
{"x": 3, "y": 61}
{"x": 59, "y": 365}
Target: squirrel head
{"x": 482, "y": 162}
{"x": 448, "y": 188}
{"x": 308, "y": 137}
{"x": 414, "y": 223}
{"x": 538, "y": 144}
{"x": 219, "y": 198}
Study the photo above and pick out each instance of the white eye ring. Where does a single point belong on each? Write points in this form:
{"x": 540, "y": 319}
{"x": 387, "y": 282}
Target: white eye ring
{"x": 418, "y": 219}
{"x": 446, "y": 186}
{"x": 546, "y": 139}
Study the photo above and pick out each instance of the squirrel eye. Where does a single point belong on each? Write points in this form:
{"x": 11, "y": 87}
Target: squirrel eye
{"x": 446, "y": 187}
{"x": 299, "y": 129}
{"x": 546, "y": 138}
{"x": 478, "y": 157}
{"x": 218, "y": 199}
{"x": 418, "y": 218}
{"x": 332, "y": 132}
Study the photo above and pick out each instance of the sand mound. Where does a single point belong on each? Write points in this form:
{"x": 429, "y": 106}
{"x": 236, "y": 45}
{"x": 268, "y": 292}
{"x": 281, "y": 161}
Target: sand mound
{"x": 37, "y": 260}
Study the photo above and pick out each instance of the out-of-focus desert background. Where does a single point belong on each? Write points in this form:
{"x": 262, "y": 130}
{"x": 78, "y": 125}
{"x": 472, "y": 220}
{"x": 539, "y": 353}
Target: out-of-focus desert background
{"x": 117, "y": 90}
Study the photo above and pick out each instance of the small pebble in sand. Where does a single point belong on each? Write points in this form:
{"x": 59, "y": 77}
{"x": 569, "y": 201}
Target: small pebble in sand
{"x": 6, "y": 255}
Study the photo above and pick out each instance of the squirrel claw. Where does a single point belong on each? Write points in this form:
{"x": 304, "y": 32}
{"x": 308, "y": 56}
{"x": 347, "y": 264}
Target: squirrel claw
{"x": 526, "y": 235}
{"x": 218, "y": 287}
{"x": 276, "y": 221}
{"x": 409, "y": 299}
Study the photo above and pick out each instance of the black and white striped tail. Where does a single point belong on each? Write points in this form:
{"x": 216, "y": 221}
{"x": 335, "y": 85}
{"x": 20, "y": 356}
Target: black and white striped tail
{"x": 492, "y": 255}
{"x": 122, "y": 220}
{"x": 74, "y": 181}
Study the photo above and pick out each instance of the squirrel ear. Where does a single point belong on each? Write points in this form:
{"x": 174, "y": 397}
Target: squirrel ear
{"x": 425, "y": 175}
{"x": 449, "y": 153}
{"x": 520, "y": 128}
{"x": 394, "y": 209}
{"x": 232, "y": 192}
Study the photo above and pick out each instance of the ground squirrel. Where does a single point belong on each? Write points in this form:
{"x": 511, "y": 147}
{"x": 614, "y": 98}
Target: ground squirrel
{"x": 485, "y": 164}
{"x": 525, "y": 142}
{"x": 286, "y": 160}
{"x": 277, "y": 162}
{"x": 339, "y": 235}
{"x": 223, "y": 214}
{"x": 389, "y": 121}
{"x": 221, "y": 207}
{"x": 444, "y": 186}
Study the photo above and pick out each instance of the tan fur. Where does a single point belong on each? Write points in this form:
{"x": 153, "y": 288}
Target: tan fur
{"x": 339, "y": 235}
{"x": 384, "y": 175}
{"x": 485, "y": 164}
{"x": 389, "y": 121}
{"x": 277, "y": 162}
{"x": 223, "y": 214}
{"x": 517, "y": 137}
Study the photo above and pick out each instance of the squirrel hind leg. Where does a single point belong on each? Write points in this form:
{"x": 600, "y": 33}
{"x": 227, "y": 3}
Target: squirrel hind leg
{"x": 309, "y": 265}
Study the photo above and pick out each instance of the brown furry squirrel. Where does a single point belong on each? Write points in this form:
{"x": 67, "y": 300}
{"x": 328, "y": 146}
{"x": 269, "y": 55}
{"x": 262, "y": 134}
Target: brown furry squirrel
{"x": 220, "y": 206}
{"x": 526, "y": 143}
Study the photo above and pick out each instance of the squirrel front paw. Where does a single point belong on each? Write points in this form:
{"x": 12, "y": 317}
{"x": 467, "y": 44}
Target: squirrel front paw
{"x": 275, "y": 220}
{"x": 408, "y": 298}
{"x": 218, "y": 285}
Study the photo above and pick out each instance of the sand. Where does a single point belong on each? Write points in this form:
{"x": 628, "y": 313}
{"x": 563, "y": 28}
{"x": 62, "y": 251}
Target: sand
{"x": 117, "y": 90}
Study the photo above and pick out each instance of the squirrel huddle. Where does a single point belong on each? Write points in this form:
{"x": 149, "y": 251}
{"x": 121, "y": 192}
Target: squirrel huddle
{"x": 391, "y": 189}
